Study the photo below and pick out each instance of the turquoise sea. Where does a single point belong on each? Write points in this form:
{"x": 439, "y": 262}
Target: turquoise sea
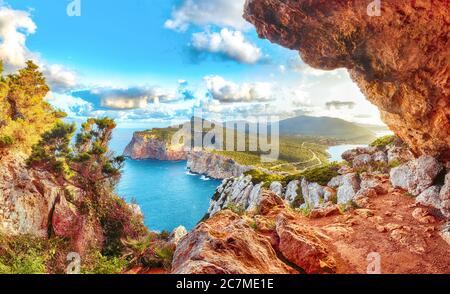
{"x": 168, "y": 195}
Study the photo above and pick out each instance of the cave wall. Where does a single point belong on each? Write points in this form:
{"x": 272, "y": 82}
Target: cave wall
{"x": 400, "y": 59}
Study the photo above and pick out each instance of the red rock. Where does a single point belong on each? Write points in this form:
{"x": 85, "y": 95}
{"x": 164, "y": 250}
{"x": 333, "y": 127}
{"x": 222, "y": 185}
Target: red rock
{"x": 398, "y": 59}
{"x": 300, "y": 245}
{"x": 226, "y": 244}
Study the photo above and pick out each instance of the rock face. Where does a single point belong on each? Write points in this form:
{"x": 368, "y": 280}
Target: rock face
{"x": 416, "y": 175}
{"x": 214, "y": 165}
{"x": 27, "y": 198}
{"x": 145, "y": 147}
{"x": 226, "y": 245}
{"x": 407, "y": 79}
{"x": 239, "y": 193}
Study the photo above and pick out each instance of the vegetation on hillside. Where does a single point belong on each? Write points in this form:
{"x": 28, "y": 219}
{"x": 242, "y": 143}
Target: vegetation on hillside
{"x": 29, "y": 124}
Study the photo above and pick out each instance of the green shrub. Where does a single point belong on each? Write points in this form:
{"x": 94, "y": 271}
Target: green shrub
{"x": 322, "y": 175}
{"x": 96, "y": 263}
{"x": 384, "y": 141}
{"x": 261, "y": 177}
{"x": 299, "y": 199}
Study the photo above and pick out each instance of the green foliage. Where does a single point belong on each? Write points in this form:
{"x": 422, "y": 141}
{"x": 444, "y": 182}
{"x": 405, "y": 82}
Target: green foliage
{"x": 96, "y": 263}
{"x": 150, "y": 251}
{"x": 262, "y": 177}
{"x": 323, "y": 174}
{"x": 29, "y": 255}
{"x": 384, "y": 141}
{"x": 24, "y": 113}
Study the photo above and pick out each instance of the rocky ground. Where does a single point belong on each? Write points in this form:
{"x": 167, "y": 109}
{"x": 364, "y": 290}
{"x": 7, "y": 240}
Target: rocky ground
{"x": 397, "y": 212}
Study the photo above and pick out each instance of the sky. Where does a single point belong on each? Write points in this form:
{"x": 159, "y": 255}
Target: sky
{"x": 144, "y": 61}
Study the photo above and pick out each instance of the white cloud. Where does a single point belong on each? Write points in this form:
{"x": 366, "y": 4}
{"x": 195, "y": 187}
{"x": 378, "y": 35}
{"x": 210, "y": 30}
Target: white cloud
{"x": 222, "y": 13}
{"x": 59, "y": 78}
{"x": 229, "y": 43}
{"x": 228, "y": 92}
{"x": 15, "y": 27}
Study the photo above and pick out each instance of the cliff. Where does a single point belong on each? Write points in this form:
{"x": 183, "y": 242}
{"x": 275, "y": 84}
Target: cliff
{"x": 214, "y": 165}
{"x": 147, "y": 146}
{"x": 399, "y": 59}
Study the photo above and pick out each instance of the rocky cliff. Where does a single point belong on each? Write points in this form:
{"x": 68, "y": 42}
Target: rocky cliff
{"x": 399, "y": 59}
{"x": 145, "y": 146}
{"x": 214, "y": 165}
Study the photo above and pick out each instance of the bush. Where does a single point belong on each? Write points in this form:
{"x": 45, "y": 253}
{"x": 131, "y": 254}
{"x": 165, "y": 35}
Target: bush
{"x": 30, "y": 255}
{"x": 260, "y": 177}
{"x": 96, "y": 263}
{"x": 384, "y": 141}
{"x": 322, "y": 175}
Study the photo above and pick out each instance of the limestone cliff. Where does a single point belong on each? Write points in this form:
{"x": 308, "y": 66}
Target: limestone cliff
{"x": 399, "y": 59}
{"x": 214, "y": 165}
{"x": 144, "y": 146}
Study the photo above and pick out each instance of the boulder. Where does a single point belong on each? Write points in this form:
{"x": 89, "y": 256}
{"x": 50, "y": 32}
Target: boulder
{"x": 301, "y": 245}
{"x": 416, "y": 175}
{"x": 226, "y": 244}
{"x": 277, "y": 188}
{"x": 430, "y": 197}
{"x": 291, "y": 191}
{"x": 27, "y": 197}
{"x": 347, "y": 186}
{"x": 177, "y": 234}
{"x": 313, "y": 194}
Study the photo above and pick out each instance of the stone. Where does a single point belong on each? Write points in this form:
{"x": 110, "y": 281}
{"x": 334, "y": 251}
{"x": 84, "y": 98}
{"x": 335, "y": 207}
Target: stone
{"x": 268, "y": 201}
{"x": 226, "y": 244}
{"x": 430, "y": 197}
{"x": 380, "y": 157}
{"x": 177, "y": 234}
{"x": 313, "y": 194}
{"x": 291, "y": 191}
{"x": 422, "y": 216}
{"x": 277, "y": 188}
{"x": 444, "y": 196}
{"x": 416, "y": 175}
{"x": 362, "y": 160}
{"x": 347, "y": 187}
{"x": 301, "y": 245}
{"x": 27, "y": 197}
{"x": 413, "y": 99}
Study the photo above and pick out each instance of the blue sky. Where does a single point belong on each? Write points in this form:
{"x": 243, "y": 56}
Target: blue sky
{"x": 146, "y": 60}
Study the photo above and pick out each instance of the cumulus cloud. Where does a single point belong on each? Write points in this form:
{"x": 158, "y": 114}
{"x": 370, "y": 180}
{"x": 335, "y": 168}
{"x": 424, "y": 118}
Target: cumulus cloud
{"x": 137, "y": 97}
{"x": 229, "y": 92}
{"x": 59, "y": 78}
{"x": 228, "y": 43}
{"x": 15, "y": 27}
{"x": 222, "y": 13}
{"x": 340, "y": 104}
